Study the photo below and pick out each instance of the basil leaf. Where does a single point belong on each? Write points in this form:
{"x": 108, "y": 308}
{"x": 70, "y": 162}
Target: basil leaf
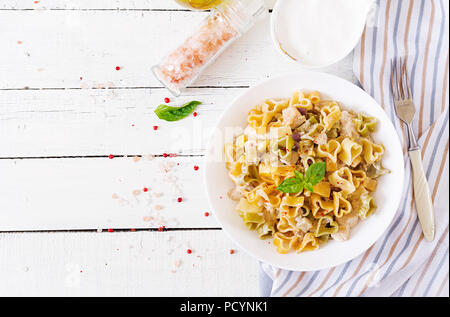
{"x": 291, "y": 186}
{"x": 315, "y": 173}
{"x": 299, "y": 175}
{"x": 309, "y": 187}
{"x": 168, "y": 113}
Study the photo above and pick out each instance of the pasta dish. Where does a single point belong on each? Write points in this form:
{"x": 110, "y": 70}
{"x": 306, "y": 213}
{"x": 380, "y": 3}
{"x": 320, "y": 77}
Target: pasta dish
{"x": 305, "y": 171}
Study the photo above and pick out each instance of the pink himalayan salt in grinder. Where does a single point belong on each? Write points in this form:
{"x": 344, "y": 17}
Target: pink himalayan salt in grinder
{"x": 223, "y": 26}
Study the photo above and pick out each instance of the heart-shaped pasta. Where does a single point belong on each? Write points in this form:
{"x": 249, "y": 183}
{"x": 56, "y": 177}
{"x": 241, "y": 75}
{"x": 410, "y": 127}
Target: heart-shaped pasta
{"x": 295, "y": 98}
{"x": 365, "y": 124}
{"x": 341, "y": 205}
{"x": 285, "y": 224}
{"x": 267, "y": 193}
{"x": 325, "y": 226}
{"x": 330, "y": 115}
{"x": 314, "y": 132}
{"x": 309, "y": 243}
{"x": 290, "y": 205}
{"x": 350, "y": 151}
{"x": 323, "y": 189}
{"x": 366, "y": 205}
{"x": 314, "y": 97}
{"x": 329, "y": 150}
{"x": 359, "y": 176}
{"x": 283, "y": 148}
{"x": 343, "y": 179}
{"x": 265, "y": 230}
{"x": 285, "y": 242}
{"x": 372, "y": 152}
{"x": 320, "y": 207}
{"x": 299, "y": 101}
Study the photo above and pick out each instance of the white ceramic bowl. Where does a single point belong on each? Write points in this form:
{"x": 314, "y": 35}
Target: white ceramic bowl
{"x": 387, "y": 197}
{"x": 276, "y": 42}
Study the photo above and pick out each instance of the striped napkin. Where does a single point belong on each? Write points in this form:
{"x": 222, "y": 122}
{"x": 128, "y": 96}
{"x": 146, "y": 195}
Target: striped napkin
{"x": 401, "y": 262}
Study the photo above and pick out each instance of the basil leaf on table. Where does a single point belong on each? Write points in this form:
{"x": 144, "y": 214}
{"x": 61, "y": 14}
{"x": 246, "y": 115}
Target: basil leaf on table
{"x": 171, "y": 114}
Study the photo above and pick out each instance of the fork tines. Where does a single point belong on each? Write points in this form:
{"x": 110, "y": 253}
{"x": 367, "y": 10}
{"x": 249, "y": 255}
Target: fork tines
{"x": 399, "y": 79}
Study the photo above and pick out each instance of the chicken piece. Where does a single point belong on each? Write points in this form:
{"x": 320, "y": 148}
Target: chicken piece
{"x": 235, "y": 194}
{"x": 268, "y": 214}
{"x": 304, "y": 224}
{"x": 251, "y": 152}
{"x": 322, "y": 138}
{"x": 346, "y": 224}
{"x": 347, "y": 125}
{"x": 270, "y": 159}
{"x": 294, "y": 158}
{"x": 292, "y": 117}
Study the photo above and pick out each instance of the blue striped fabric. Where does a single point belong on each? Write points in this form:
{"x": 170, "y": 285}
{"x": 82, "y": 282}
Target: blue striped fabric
{"x": 400, "y": 263}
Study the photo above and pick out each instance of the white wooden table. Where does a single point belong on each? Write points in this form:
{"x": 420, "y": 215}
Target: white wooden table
{"x": 64, "y": 108}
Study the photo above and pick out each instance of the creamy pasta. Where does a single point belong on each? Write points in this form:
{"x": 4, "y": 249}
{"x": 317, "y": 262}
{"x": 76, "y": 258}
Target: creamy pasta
{"x": 272, "y": 165}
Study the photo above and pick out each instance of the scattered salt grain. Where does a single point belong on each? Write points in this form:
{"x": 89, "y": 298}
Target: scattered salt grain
{"x": 178, "y": 263}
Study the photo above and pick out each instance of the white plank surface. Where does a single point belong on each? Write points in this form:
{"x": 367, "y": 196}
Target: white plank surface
{"x": 59, "y": 47}
{"x": 97, "y": 5}
{"x": 124, "y": 264}
{"x": 65, "y": 194}
{"x": 100, "y": 122}
{"x": 90, "y": 5}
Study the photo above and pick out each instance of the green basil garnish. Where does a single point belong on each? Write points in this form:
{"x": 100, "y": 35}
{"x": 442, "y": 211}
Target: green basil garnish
{"x": 168, "y": 113}
{"x": 314, "y": 174}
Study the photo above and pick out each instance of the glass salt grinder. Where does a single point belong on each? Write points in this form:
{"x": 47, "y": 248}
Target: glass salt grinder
{"x": 223, "y": 26}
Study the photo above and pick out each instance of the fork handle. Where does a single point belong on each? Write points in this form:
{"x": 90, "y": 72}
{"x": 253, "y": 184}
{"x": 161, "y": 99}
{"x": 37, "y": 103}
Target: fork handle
{"x": 424, "y": 205}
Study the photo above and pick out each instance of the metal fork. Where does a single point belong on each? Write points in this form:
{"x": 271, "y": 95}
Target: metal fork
{"x": 404, "y": 107}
